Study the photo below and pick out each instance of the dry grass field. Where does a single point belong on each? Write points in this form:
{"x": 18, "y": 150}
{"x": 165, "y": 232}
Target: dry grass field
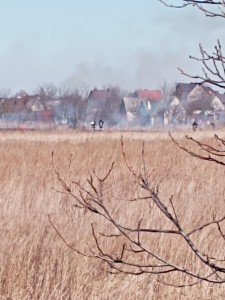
{"x": 34, "y": 261}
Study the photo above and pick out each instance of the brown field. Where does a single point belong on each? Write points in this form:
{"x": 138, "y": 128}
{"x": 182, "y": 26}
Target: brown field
{"x": 34, "y": 261}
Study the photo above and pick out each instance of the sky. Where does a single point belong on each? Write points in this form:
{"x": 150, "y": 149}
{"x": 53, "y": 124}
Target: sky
{"x": 98, "y": 43}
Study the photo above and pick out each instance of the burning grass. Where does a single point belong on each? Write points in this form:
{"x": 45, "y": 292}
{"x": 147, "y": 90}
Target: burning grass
{"x": 36, "y": 264}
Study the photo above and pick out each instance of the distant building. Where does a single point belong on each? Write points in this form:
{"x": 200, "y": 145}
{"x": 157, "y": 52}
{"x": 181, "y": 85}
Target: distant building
{"x": 136, "y": 111}
{"x": 149, "y": 95}
{"x": 144, "y": 108}
{"x": 196, "y": 101}
{"x": 105, "y": 105}
{"x": 198, "y": 97}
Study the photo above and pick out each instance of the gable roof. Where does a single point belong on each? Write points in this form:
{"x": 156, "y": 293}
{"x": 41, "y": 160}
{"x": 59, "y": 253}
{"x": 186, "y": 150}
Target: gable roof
{"x": 182, "y": 90}
{"x": 221, "y": 97}
{"x": 217, "y": 104}
{"x": 100, "y": 94}
{"x": 150, "y": 95}
{"x": 132, "y": 104}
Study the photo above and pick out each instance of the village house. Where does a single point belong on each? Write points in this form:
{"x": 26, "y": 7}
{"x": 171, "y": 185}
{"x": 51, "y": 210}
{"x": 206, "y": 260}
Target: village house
{"x": 98, "y": 103}
{"x": 105, "y": 105}
{"x": 136, "y": 111}
{"x": 197, "y": 95}
{"x": 144, "y": 108}
{"x": 195, "y": 100}
{"x": 32, "y": 110}
{"x": 24, "y": 108}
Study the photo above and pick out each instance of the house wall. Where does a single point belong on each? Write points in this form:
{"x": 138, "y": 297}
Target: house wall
{"x": 196, "y": 94}
{"x": 217, "y": 104}
{"x": 131, "y": 117}
{"x": 175, "y": 102}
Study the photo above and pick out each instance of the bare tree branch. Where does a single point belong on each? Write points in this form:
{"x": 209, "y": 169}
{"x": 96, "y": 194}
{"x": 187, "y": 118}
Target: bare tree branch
{"x": 207, "y": 157}
{"x": 213, "y": 67}
{"x": 130, "y": 241}
{"x": 210, "y": 8}
{"x": 213, "y": 64}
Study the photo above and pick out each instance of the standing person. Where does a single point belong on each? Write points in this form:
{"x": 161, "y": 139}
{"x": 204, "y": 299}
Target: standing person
{"x": 195, "y": 125}
{"x": 100, "y": 123}
{"x": 93, "y": 124}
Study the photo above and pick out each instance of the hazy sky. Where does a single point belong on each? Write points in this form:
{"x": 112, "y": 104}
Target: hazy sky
{"x": 133, "y": 43}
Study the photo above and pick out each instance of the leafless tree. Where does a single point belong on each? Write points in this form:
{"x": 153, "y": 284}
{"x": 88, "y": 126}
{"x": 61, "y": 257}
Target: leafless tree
{"x": 111, "y": 108}
{"x": 47, "y": 91}
{"x": 72, "y": 97}
{"x": 5, "y": 93}
{"x": 213, "y": 64}
{"x": 167, "y": 89}
{"x": 84, "y": 90}
{"x": 135, "y": 255}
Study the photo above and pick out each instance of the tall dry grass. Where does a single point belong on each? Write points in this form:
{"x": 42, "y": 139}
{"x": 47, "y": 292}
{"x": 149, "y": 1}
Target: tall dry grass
{"x": 36, "y": 264}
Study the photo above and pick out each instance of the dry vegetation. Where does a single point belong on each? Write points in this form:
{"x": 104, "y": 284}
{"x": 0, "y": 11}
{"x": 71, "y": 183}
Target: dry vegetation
{"x": 34, "y": 261}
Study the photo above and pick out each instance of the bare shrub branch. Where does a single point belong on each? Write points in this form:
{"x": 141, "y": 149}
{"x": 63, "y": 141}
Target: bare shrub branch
{"x": 134, "y": 255}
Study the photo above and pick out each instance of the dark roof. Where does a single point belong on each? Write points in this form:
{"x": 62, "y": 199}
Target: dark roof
{"x": 208, "y": 92}
{"x": 100, "y": 94}
{"x": 150, "y": 95}
{"x": 183, "y": 90}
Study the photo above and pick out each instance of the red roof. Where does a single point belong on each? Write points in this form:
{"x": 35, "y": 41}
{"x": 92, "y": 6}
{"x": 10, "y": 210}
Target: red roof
{"x": 151, "y": 95}
{"x": 100, "y": 94}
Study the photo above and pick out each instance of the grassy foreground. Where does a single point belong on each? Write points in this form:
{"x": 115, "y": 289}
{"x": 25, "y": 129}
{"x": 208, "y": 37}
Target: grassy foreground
{"x": 36, "y": 264}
